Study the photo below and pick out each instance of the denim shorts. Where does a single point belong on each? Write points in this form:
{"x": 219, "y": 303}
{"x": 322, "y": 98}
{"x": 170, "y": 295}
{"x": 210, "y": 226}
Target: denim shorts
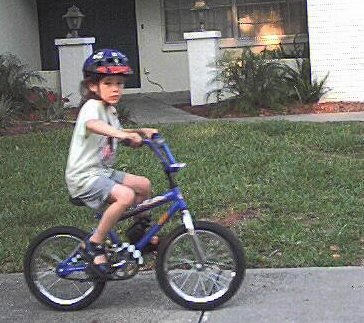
{"x": 97, "y": 195}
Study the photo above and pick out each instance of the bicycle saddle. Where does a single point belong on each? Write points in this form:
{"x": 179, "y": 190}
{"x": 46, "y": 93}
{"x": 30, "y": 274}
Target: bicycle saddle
{"x": 76, "y": 201}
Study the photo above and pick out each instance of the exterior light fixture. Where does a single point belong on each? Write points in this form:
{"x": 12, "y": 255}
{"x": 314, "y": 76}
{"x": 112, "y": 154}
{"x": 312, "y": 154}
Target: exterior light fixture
{"x": 200, "y": 7}
{"x": 74, "y": 19}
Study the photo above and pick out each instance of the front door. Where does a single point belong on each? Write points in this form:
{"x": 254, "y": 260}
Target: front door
{"x": 111, "y": 22}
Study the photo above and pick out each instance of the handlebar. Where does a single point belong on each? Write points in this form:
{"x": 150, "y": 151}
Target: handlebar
{"x": 158, "y": 144}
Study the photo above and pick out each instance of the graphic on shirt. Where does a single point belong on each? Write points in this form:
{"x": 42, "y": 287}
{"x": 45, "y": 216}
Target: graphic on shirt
{"x": 108, "y": 152}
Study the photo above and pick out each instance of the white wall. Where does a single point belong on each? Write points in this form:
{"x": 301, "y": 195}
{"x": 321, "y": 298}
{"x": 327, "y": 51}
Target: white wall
{"x": 336, "y": 36}
{"x": 19, "y": 31}
{"x": 169, "y": 69}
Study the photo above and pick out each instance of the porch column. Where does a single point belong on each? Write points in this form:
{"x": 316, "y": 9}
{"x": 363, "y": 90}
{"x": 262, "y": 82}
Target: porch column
{"x": 72, "y": 54}
{"x": 202, "y": 50}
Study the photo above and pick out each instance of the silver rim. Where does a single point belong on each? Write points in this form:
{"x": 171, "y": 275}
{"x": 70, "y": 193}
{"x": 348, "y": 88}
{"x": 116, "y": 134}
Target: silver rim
{"x": 44, "y": 263}
{"x": 192, "y": 281}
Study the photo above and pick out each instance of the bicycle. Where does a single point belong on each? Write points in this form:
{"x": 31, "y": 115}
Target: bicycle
{"x": 199, "y": 265}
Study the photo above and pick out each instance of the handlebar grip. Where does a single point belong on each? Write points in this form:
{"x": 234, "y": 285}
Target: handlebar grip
{"x": 155, "y": 136}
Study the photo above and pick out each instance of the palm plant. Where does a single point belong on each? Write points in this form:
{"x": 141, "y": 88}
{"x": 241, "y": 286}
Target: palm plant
{"x": 299, "y": 79}
{"x": 254, "y": 79}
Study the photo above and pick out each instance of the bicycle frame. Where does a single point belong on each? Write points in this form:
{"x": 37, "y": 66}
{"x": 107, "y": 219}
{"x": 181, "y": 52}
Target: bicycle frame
{"x": 163, "y": 152}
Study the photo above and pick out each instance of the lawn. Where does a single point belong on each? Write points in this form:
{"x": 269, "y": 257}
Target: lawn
{"x": 292, "y": 192}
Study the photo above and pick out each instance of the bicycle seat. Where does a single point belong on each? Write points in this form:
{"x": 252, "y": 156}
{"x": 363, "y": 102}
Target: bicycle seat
{"x": 76, "y": 201}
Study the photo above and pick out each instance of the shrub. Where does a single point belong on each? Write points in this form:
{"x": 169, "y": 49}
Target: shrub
{"x": 254, "y": 79}
{"x": 261, "y": 80}
{"x": 15, "y": 81}
{"x": 299, "y": 79}
{"x": 7, "y": 106}
{"x": 123, "y": 112}
{"x": 47, "y": 105}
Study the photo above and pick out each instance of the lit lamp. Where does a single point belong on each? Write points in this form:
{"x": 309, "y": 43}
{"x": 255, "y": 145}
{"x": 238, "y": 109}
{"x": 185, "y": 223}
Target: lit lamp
{"x": 200, "y": 7}
{"x": 74, "y": 19}
{"x": 246, "y": 25}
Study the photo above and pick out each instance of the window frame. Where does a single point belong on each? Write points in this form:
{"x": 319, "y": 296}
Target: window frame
{"x": 233, "y": 42}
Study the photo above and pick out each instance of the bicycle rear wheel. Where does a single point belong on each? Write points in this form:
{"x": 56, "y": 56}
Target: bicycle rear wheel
{"x": 41, "y": 260}
{"x": 196, "y": 285}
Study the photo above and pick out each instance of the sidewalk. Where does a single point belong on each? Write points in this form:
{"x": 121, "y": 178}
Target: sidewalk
{"x": 154, "y": 108}
{"x": 302, "y": 295}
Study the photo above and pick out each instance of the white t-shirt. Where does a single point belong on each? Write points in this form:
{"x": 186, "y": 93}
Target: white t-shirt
{"x": 90, "y": 154}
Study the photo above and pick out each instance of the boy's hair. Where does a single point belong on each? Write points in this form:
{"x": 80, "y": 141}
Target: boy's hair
{"x": 86, "y": 93}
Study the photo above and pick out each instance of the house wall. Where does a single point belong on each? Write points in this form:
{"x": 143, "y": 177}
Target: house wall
{"x": 167, "y": 63}
{"x": 336, "y": 34}
{"x": 167, "y": 68}
{"x": 19, "y": 31}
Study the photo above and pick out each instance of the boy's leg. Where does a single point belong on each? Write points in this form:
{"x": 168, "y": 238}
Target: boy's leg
{"x": 121, "y": 197}
{"x": 140, "y": 185}
{"x": 143, "y": 190}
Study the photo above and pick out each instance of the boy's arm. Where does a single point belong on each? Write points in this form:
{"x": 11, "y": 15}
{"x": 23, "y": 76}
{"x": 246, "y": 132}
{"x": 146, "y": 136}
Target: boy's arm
{"x": 148, "y": 132}
{"x": 101, "y": 127}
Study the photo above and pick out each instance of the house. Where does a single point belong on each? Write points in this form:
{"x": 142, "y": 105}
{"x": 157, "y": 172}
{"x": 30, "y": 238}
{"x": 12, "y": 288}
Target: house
{"x": 150, "y": 32}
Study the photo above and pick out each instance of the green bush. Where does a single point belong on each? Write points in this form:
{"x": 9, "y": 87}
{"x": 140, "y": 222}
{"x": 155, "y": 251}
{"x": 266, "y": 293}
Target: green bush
{"x": 262, "y": 81}
{"x": 254, "y": 79}
{"x": 7, "y": 106}
{"x": 15, "y": 79}
{"x": 299, "y": 79}
{"x": 47, "y": 105}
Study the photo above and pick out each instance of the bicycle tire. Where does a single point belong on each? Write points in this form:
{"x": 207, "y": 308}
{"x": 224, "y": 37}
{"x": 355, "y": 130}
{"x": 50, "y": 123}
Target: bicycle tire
{"x": 168, "y": 276}
{"x": 44, "y": 239}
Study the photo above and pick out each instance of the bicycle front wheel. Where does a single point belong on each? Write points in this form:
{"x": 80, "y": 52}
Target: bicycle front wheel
{"x": 41, "y": 260}
{"x": 196, "y": 284}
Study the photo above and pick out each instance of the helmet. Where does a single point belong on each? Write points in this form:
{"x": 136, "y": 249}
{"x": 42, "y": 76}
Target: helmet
{"x": 106, "y": 62}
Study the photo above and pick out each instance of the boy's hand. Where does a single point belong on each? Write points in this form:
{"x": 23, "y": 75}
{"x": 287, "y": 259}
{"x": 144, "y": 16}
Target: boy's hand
{"x": 132, "y": 139}
{"x": 149, "y": 132}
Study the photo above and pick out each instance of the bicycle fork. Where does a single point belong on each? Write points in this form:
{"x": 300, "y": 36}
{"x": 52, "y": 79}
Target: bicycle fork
{"x": 199, "y": 253}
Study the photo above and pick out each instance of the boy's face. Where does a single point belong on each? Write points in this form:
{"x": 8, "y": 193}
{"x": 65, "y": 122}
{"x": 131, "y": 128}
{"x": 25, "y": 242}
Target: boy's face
{"x": 109, "y": 88}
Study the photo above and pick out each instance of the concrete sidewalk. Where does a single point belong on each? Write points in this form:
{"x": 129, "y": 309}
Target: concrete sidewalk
{"x": 155, "y": 108}
{"x": 267, "y": 295}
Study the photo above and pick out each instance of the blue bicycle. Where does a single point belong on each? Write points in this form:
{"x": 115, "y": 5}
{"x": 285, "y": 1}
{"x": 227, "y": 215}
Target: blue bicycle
{"x": 199, "y": 265}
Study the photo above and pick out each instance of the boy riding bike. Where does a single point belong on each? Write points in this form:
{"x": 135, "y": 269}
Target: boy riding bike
{"x": 89, "y": 174}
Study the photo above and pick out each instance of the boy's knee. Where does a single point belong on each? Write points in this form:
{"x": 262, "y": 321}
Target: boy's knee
{"x": 146, "y": 186}
{"x": 124, "y": 195}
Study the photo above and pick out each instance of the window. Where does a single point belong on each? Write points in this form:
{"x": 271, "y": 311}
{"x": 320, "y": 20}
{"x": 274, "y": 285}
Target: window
{"x": 249, "y": 22}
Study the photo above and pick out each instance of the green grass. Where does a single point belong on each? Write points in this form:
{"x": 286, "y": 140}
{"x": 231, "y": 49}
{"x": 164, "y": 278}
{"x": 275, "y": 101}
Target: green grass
{"x": 302, "y": 182}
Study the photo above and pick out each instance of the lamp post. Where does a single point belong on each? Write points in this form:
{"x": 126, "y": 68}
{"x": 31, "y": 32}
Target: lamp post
{"x": 200, "y": 7}
{"x": 74, "y": 19}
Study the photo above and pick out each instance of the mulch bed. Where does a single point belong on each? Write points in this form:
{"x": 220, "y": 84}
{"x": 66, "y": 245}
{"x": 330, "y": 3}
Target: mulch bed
{"x": 211, "y": 110}
{"x": 27, "y": 124}
{"x": 25, "y": 127}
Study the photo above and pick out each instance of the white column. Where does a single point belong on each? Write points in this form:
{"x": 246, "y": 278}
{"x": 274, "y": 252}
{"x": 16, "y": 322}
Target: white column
{"x": 202, "y": 50}
{"x": 72, "y": 54}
